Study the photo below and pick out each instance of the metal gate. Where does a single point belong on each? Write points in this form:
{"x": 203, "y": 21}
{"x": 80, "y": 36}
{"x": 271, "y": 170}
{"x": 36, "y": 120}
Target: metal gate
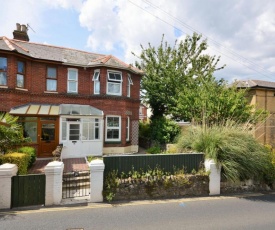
{"x": 28, "y": 190}
{"x": 76, "y": 184}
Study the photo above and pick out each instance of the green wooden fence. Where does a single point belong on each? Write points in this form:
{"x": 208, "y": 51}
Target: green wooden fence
{"x": 167, "y": 162}
{"x": 28, "y": 190}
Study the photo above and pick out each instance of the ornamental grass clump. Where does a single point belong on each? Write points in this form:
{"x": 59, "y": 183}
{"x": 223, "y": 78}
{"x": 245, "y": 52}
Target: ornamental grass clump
{"x": 232, "y": 146}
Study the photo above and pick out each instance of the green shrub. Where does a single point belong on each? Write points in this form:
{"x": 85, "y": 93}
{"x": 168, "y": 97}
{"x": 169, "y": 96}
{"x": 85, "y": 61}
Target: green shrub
{"x": 30, "y": 151}
{"x": 233, "y": 146}
{"x": 20, "y": 159}
{"x": 154, "y": 150}
{"x": 164, "y": 130}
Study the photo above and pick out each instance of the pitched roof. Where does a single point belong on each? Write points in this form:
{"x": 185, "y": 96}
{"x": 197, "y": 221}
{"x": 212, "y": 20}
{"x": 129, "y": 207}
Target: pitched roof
{"x": 256, "y": 84}
{"x": 66, "y": 56}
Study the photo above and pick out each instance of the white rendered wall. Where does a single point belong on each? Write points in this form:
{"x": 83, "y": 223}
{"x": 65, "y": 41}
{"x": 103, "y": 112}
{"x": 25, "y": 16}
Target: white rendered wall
{"x": 7, "y": 171}
{"x": 54, "y": 174}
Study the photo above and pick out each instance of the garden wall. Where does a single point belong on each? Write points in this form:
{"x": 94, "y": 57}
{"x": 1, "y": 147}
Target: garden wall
{"x": 165, "y": 187}
{"x": 243, "y": 186}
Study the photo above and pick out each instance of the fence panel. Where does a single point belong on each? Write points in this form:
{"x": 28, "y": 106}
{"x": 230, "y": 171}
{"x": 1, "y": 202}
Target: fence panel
{"x": 28, "y": 190}
{"x": 167, "y": 162}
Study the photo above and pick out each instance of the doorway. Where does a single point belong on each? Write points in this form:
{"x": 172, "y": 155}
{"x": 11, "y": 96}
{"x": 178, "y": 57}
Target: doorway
{"x": 47, "y": 136}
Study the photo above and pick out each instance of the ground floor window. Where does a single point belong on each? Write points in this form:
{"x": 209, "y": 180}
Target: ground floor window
{"x": 128, "y": 129}
{"x": 113, "y": 127}
{"x": 29, "y": 125}
{"x": 85, "y": 129}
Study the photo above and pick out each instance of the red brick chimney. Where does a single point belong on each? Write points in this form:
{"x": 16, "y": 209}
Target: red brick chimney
{"x": 21, "y": 32}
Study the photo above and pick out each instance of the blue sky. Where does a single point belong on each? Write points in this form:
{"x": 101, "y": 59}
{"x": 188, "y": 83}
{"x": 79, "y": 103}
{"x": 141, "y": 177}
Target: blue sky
{"x": 241, "y": 32}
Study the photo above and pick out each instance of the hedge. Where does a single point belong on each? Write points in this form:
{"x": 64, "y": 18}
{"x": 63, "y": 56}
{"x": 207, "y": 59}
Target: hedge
{"x": 30, "y": 151}
{"x": 20, "y": 159}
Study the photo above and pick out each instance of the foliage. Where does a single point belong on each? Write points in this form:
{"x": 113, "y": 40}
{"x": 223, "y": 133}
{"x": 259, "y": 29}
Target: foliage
{"x": 208, "y": 101}
{"x": 154, "y": 150}
{"x": 12, "y": 134}
{"x": 164, "y": 130}
{"x": 30, "y": 151}
{"x": 168, "y": 70}
{"x": 20, "y": 159}
{"x": 110, "y": 185}
{"x": 233, "y": 147}
{"x": 144, "y": 129}
{"x": 179, "y": 82}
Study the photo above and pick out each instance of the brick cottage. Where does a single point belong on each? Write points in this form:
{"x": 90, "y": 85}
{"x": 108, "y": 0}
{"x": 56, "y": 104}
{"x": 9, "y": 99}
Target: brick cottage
{"x": 88, "y": 102}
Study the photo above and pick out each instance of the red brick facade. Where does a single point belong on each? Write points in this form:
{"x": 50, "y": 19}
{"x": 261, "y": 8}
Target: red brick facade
{"x": 34, "y": 90}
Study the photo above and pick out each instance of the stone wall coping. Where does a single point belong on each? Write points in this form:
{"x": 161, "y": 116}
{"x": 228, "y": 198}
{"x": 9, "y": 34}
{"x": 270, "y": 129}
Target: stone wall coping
{"x": 8, "y": 169}
{"x": 54, "y": 167}
{"x": 97, "y": 165}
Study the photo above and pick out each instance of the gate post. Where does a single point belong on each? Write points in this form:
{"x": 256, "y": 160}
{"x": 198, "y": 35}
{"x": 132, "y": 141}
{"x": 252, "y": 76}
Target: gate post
{"x": 54, "y": 173}
{"x": 7, "y": 171}
{"x": 97, "y": 170}
{"x": 214, "y": 176}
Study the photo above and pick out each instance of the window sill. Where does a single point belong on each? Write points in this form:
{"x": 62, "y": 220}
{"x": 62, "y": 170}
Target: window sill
{"x": 54, "y": 92}
{"x": 110, "y": 94}
{"x": 21, "y": 89}
{"x": 112, "y": 142}
{"x": 3, "y": 86}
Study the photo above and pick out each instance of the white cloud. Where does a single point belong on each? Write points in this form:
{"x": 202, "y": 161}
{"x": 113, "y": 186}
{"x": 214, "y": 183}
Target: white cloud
{"x": 237, "y": 30}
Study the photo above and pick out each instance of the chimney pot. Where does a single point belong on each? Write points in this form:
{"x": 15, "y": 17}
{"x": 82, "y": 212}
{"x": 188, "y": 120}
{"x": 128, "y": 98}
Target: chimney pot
{"x": 18, "y": 26}
{"x": 24, "y": 28}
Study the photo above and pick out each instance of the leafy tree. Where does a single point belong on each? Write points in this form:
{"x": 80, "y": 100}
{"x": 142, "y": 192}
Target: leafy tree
{"x": 168, "y": 70}
{"x": 11, "y": 133}
{"x": 208, "y": 101}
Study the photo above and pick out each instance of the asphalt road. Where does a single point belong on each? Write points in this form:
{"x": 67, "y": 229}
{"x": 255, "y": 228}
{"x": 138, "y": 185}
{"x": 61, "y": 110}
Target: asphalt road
{"x": 255, "y": 211}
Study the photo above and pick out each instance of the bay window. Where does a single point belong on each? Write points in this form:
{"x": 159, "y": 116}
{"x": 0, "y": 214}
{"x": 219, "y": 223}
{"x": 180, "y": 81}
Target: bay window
{"x": 113, "y": 127}
{"x": 3, "y": 71}
{"x": 114, "y": 83}
{"x": 96, "y": 79}
{"x": 20, "y": 77}
{"x": 129, "y": 83}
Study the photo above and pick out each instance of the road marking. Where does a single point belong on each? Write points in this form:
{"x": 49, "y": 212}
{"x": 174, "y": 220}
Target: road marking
{"x": 132, "y": 203}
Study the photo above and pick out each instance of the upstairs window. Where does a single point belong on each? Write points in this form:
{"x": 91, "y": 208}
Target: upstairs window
{"x": 129, "y": 83}
{"x": 114, "y": 83}
{"x": 72, "y": 81}
{"x": 3, "y": 70}
{"x": 51, "y": 79}
{"x": 20, "y": 77}
{"x": 96, "y": 79}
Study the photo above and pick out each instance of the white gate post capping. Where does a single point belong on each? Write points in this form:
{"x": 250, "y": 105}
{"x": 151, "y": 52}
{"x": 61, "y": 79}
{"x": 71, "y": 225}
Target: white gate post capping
{"x": 214, "y": 176}
{"x": 54, "y": 174}
{"x": 7, "y": 171}
{"x": 97, "y": 170}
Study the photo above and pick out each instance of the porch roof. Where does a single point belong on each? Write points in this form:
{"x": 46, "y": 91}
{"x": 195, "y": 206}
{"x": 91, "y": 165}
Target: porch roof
{"x": 55, "y": 110}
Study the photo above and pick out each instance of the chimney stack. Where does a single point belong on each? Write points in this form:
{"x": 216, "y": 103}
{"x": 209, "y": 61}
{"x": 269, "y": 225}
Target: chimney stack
{"x": 21, "y": 32}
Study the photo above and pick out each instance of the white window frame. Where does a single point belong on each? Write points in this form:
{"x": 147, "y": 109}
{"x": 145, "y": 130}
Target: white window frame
{"x": 128, "y": 129}
{"x": 93, "y": 125}
{"x": 114, "y": 82}
{"x": 3, "y": 73}
{"x": 51, "y": 78}
{"x": 96, "y": 79}
{"x": 129, "y": 83}
{"x": 111, "y": 127}
{"x": 72, "y": 80}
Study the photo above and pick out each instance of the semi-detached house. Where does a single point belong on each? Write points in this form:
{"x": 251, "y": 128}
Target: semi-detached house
{"x": 88, "y": 102}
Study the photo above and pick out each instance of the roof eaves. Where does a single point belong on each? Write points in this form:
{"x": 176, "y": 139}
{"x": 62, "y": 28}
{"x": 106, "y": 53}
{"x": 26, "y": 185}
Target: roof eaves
{"x": 8, "y": 43}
